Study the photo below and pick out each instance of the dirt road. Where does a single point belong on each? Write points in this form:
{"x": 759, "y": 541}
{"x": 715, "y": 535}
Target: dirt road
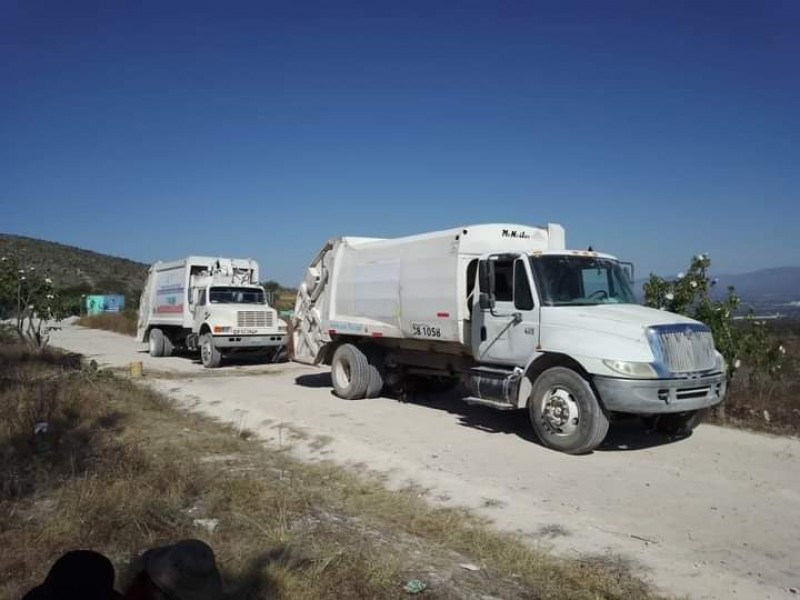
{"x": 716, "y": 515}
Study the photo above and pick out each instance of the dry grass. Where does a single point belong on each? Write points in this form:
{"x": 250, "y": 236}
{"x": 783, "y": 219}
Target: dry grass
{"x": 121, "y": 322}
{"x": 120, "y": 469}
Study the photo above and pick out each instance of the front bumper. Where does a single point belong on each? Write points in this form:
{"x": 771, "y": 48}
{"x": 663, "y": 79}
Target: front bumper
{"x": 250, "y": 341}
{"x": 660, "y": 396}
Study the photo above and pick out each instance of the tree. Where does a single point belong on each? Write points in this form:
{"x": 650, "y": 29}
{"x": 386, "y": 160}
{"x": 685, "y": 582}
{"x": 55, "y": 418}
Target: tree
{"x": 271, "y": 286}
{"x": 31, "y": 299}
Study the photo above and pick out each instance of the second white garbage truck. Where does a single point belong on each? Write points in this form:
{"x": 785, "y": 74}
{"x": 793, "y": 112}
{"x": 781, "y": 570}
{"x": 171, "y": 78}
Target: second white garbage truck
{"x": 521, "y": 321}
{"x": 213, "y": 305}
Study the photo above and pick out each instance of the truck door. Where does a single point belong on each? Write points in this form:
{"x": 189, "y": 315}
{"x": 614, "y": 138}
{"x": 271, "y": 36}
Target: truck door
{"x": 200, "y": 309}
{"x": 506, "y": 330}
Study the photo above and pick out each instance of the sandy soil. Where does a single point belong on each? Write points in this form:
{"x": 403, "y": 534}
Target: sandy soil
{"x": 715, "y": 515}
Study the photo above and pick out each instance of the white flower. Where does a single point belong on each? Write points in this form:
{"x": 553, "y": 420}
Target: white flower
{"x": 669, "y": 296}
{"x": 48, "y": 280}
{"x": 33, "y": 268}
{"x": 781, "y": 349}
{"x": 22, "y": 278}
{"x": 737, "y": 363}
{"x": 3, "y": 259}
{"x": 681, "y": 275}
{"x": 50, "y": 296}
{"x": 21, "y": 271}
{"x": 693, "y": 283}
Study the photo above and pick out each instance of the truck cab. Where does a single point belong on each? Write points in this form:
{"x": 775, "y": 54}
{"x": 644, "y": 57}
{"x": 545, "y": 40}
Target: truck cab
{"x": 577, "y": 311}
{"x": 232, "y": 318}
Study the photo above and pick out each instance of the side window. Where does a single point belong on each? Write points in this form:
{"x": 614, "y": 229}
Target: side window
{"x": 504, "y": 280}
{"x": 595, "y": 281}
{"x": 523, "y": 297}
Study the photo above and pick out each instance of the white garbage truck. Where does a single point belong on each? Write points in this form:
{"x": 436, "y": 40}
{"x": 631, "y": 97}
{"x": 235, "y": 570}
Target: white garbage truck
{"x": 213, "y": 305}
{"x": 519, "y": 320}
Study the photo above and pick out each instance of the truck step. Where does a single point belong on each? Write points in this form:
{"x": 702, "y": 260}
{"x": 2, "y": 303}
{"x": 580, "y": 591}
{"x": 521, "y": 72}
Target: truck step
{"x": 491, "y": 371}
{"x": 490, "y": 403}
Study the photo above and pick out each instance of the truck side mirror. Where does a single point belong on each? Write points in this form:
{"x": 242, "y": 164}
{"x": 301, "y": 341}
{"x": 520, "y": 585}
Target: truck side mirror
{"x": 627, "y": 267}
{"x": 485, "y": 301}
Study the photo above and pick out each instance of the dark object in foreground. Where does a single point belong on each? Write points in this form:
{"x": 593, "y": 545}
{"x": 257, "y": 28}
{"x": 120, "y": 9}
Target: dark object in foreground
{"x": 81, "y": 574}
{"x": 186, "y": 570}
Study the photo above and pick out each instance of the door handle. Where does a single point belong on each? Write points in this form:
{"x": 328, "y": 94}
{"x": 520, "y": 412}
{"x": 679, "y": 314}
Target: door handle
{"x": 483, "y": 333}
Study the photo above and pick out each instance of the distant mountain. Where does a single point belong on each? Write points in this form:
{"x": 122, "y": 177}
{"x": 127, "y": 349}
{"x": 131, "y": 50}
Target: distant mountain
{"x": 778, "y": 284}
{"x": 75, "y": 270}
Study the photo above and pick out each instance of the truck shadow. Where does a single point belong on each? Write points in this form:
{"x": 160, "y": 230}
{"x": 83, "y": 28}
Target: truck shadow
{"x": 315, "y": 380}
{"x": 624, "y": 434}
{"x": 233, "y": 360}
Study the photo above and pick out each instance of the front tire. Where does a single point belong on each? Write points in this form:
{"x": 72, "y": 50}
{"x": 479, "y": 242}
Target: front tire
{"x": 350, "y": 372}
{"x": 210, "y": 355}
{"x": 565, "y": 412}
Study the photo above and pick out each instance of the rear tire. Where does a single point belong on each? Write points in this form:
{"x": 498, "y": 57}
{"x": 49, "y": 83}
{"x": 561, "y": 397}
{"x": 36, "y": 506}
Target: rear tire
{"x": 155, "y": 343}
{"x": 168, "y": 347}
{"x": 350, "y": 372}
{"x": 210, "y": 356}
{"x": 676, "y": 423}
{"x": 565, "y": 412}
{"x": 375, "y": 384}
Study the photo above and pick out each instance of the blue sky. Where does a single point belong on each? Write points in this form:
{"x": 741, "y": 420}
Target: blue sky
{"x": 651, "y": 130}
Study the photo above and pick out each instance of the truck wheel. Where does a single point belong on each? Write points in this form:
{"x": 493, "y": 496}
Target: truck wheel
{"x": 168, "y": 346}
{"x": 350, "y": 372}
{"x": 676, "y": 423}
{"x": 156, "y": 342}
{"x": 565, "y": 413}
{"x": 375, "y": 384}
{"x": 210, "y": 356}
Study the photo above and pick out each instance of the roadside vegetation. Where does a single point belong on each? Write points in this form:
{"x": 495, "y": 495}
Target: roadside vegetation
{"x": 120, "y": 322}
{"x": 92, "y": 460}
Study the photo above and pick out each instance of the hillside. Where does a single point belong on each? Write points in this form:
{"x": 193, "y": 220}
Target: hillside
{"x": 74, "y": 270}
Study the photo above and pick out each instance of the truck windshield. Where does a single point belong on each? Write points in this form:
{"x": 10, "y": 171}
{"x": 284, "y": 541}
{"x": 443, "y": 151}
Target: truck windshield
{"x": 580, "y": 281}
{"x": 236, "y": 295}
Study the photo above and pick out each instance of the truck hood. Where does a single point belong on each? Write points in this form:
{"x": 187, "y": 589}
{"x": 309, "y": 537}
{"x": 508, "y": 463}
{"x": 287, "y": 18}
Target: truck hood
{"x": 611, "y": 325}
{"x": 620, "y": 320}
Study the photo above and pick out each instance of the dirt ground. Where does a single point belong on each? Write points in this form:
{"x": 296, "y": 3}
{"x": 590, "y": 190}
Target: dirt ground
{"x": 715, "y": 515}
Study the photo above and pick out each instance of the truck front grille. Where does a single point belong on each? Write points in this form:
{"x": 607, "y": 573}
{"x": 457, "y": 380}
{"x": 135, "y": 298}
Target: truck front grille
{"x": 254, "y": 318}
{"x": 684, "y": 348}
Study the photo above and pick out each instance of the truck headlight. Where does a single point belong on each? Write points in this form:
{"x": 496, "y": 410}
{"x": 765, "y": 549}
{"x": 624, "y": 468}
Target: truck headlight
{"x": 221, "y": 329}
{"x": 634, "y": 370}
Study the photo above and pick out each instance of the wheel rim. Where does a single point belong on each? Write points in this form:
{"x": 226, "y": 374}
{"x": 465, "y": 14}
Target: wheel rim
{"x": 560, "y": 413}
{"x": 342, "y": 373}
{"x": 205, "y": 352}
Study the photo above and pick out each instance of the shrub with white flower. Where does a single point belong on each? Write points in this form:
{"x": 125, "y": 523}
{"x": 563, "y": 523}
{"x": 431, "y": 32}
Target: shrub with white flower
{"x": 31, "y": 300}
